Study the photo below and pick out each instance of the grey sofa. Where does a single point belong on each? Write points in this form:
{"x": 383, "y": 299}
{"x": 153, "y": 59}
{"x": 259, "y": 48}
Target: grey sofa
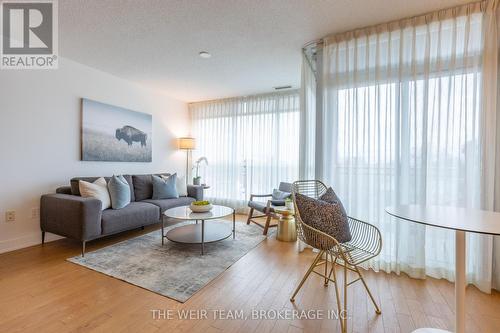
{"x": 67, "y": 214}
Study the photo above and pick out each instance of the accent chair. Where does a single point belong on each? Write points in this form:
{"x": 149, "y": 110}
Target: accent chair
{"x": 365, "y": 243}
{"x": 267, "y": 208}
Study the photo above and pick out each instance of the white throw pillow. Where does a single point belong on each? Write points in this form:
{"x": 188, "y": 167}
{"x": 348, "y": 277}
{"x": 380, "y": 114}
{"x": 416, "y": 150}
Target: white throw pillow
{"x": 97, "y": 190}
{"x": 180, "y": 185}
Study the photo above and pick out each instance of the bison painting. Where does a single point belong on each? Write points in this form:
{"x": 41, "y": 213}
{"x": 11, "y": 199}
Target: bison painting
{"x": 130, "y": 135}
{"x": 105, "y": 138}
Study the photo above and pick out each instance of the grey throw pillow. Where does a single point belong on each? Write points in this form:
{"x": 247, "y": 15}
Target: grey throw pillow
{"x": 119, "y": 191}
{"x": 164, "y": 188}
{"x": 329, "y": 218}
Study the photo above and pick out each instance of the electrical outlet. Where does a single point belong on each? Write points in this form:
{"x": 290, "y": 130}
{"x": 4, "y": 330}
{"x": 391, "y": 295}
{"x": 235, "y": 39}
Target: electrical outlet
{"x": 35, "y": 212}
{"x": 10, "y": 216}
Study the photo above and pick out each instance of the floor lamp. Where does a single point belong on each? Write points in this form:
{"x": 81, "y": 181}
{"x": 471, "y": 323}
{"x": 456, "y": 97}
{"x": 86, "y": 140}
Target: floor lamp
{"x": 188, "y": 144}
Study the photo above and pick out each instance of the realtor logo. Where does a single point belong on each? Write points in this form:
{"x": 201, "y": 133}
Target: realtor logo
{"x": 29, "y": 34}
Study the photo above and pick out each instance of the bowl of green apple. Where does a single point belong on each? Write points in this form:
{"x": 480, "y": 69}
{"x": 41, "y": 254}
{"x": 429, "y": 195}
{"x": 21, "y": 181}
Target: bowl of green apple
{"x": 201, "y": 206}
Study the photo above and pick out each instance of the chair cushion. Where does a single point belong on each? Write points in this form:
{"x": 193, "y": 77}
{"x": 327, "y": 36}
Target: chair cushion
{"x": 170, "y": 203}
{"x": 324, "y": 216}
{"x": 119, "y": 191}
{"x": 135, "y": 215}
{"x": 260, "y": 206}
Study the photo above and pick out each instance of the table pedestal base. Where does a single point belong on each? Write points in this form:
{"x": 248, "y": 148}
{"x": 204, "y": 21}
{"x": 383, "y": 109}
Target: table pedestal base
{"x": 460, "y": 285}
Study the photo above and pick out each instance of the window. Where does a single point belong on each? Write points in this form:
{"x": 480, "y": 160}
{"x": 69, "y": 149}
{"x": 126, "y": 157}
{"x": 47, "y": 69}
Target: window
{"x": 251, "y": 143}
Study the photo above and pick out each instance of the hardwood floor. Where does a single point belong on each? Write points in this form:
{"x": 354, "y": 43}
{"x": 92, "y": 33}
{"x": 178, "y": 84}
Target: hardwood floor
{"x": 41, "y": 292}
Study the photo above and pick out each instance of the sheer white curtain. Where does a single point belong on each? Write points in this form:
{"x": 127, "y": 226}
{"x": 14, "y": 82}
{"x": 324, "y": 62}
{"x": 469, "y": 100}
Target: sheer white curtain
{"x": 307, "y": 119}
{"x": 251, "y": 143}
{"x": 403, "y": 122}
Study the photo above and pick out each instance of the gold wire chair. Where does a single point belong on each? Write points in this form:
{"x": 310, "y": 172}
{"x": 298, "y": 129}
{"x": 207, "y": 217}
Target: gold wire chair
{"x": 366, "y": 243}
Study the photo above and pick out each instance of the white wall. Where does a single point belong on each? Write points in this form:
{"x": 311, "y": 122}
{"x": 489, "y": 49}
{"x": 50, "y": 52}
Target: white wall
{"x": 40, "y": 137}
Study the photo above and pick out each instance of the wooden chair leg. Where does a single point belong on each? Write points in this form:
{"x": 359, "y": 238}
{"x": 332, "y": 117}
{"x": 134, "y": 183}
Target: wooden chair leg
{"x": 268, "y": 222}
{"x": 250, "y": 216}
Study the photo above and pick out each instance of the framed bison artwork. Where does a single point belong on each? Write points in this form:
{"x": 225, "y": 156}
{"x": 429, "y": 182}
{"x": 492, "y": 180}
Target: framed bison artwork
{"x": 115, "y": 134}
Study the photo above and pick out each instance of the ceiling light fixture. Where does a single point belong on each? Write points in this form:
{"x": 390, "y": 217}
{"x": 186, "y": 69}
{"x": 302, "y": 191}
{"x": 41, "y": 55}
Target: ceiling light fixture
{"x": 205, "y": 54}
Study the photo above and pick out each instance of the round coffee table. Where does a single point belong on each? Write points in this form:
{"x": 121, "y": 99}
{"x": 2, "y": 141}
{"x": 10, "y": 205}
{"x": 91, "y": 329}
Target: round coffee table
{"x": 199, "y": 233}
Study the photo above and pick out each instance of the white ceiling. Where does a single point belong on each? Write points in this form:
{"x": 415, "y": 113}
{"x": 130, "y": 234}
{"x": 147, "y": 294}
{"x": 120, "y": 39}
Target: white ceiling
{"x": 255, "y": 44}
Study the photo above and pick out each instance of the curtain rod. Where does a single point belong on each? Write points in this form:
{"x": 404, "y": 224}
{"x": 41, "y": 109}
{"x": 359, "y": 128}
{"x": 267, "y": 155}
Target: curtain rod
{"x": 321, "y": 41}
{"x": 291, "y": 91}
{"x": 313, "y": 42}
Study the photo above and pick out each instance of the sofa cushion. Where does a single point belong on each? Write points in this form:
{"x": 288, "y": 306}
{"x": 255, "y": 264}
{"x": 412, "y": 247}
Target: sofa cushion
{"x": 143, "y": 186}
{"x": 76, "y": 191}
{"x": 135, "y": 215}
{"x": 170, "y": 203}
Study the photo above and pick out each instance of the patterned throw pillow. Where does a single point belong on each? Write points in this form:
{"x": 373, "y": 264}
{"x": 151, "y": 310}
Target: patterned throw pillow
{"x": 331, "y": 197}
{"x": 329, "y": 218}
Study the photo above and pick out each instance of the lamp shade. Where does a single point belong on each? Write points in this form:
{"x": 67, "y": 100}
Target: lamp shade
{"x": 187, "y": 143}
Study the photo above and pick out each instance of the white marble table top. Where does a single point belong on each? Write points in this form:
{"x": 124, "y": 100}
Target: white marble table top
{"x": 456, "y": 218}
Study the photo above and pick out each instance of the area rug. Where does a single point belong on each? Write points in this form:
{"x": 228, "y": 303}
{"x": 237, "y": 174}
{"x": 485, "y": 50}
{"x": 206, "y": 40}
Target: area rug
{"x": 173, "y": 270}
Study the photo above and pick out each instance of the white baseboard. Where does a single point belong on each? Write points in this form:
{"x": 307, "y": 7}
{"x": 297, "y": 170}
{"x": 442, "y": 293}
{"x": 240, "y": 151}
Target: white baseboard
{"x": 26, "y": 241}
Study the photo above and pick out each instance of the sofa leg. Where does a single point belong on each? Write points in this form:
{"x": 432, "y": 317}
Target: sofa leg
{"x": 43, "y": 237}
{"x": 142, "y": 228}
{"x": 83, "y": 249}
{"x": 250, "y": 216}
